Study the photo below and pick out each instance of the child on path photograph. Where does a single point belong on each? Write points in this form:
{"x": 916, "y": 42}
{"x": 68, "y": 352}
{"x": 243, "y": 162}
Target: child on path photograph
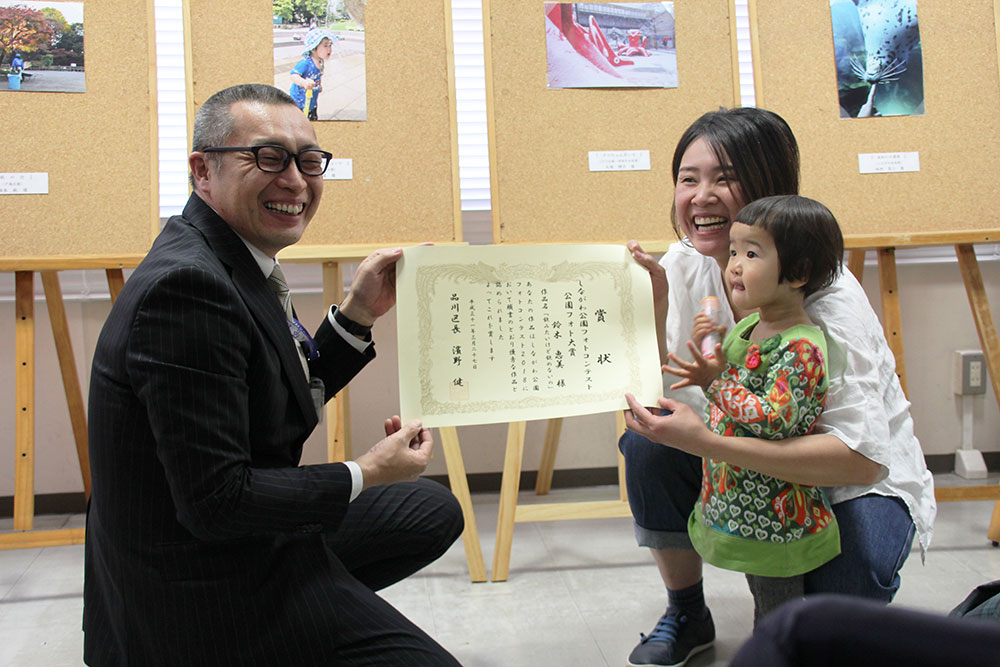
{"x": 307, "y": 75}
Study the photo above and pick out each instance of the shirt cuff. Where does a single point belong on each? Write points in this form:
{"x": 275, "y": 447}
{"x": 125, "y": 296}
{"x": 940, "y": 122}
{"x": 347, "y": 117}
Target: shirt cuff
{"x": 355, "y": 342}
{"x": 357, "y": 479}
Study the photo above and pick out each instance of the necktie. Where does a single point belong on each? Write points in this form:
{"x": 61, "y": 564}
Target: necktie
{"x": 276, "y": 281}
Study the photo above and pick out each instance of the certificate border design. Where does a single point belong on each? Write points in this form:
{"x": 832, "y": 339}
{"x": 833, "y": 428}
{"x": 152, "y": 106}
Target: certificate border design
{"x": 480, "y": 272}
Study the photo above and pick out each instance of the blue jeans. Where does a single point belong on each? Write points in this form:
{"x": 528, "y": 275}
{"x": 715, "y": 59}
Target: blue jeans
{"x": 876, "y": 532}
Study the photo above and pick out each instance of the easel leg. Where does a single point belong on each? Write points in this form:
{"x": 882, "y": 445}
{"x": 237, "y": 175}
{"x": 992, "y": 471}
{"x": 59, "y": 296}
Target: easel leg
{"x": 983, "y": 316}
{"x": 460, "y": 488}
{"x": 891, "y": 319}
{"x": 856, "y": 263}
{"x": 67, "y": 365}
{"x": 24, "y": 383}
{"x": 981, "y": 313}
{"x": 619, "y": 431}
{"x": 543, "y": 483}
{"x": 337, "y": 447}
{"x": 508, "y": 500}
{"x": 993, "y": 534}
{"x": 116, "y": 281}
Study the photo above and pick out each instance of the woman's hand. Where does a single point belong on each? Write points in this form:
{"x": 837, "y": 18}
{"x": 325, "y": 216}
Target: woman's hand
{"x": 661, "y": 292}
{"x": 673, "y": 423}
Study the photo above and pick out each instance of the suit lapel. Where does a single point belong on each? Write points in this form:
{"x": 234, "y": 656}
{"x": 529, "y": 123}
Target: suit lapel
{"x": 260, "y": 300}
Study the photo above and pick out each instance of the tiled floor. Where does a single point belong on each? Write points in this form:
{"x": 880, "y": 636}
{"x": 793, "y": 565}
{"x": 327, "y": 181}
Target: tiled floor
{"x": 579, "y": 592}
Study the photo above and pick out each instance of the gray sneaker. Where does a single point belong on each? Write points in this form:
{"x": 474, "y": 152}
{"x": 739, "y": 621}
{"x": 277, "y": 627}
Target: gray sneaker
{"x": 673, "y": 641}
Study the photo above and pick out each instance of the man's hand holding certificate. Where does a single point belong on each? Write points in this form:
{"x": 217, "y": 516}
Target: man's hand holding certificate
{"x": 514, "y": 333}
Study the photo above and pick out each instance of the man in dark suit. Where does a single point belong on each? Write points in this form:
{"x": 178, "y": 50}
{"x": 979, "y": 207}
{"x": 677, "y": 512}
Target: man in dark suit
{"x": 207, "y": 542}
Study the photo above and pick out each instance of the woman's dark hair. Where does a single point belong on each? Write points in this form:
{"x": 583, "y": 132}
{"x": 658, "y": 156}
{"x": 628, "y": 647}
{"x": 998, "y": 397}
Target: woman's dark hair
{"x": 808, "y": 239}
{"x": 758, "y": 144}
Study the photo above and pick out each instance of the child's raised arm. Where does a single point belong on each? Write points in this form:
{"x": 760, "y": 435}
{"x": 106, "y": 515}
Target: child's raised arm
{"x": 701, "y": 372}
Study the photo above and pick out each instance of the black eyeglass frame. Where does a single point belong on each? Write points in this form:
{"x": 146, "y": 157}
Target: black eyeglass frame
{"x": 289, "y": 156}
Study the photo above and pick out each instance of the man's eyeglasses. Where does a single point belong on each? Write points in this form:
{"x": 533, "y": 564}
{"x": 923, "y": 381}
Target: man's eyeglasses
{"x": 275, "y": 159}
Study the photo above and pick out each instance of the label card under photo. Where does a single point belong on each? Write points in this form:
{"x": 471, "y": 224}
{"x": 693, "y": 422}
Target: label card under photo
{"x": 883, "y": 163}
{"x": 339, "y": 169}
{"x": 29, "y": 183}
{"x": 618, "y": 160}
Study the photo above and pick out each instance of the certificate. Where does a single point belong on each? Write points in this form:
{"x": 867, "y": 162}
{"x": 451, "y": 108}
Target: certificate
{"x": 499, "y": 333}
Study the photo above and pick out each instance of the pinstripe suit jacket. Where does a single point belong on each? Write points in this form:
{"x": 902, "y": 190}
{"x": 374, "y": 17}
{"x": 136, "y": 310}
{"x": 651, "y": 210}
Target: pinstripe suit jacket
{"x": 204, "y": 540}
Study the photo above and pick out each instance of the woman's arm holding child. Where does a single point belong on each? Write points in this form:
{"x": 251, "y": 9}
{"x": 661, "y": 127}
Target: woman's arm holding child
{"x": 817, "y": 459}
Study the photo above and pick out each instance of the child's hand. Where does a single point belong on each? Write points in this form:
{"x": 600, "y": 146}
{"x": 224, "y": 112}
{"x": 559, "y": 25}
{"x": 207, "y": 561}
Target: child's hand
{"x": 310, "y": 84}
{"x": 701, "y": 372}
{"x": 703, "y": 326}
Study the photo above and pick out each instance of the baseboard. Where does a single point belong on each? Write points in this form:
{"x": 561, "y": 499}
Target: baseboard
{"x": 486, "y": 482}
{"x": 479, "y": 482}
{"x": 943, "y": 463}
{"x": 49, "y": 503}
{"x": 75, "y": 503}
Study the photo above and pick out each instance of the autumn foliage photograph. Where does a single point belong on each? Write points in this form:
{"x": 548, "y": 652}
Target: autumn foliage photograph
{"x": 41, "y": 46}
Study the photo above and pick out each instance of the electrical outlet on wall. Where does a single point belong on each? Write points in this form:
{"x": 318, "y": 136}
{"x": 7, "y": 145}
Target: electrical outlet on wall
{"x": 969, "y": 376}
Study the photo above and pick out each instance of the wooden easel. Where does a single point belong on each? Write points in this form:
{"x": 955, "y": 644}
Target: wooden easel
{"x": 511, "y": 512}
{"x": 24, "y": 535}
{"x": 981, "y": 314}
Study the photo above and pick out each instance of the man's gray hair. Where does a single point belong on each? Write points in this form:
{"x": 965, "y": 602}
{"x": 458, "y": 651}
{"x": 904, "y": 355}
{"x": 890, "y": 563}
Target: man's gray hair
{"x": 214, "y": 121}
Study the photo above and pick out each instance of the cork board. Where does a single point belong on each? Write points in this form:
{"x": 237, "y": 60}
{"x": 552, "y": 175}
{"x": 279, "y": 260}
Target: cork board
{"x": 405, "y": 156}
{"x": 99, "y": 148}
{"x": 796, "y": 77}
{"x": 542, "y": 188}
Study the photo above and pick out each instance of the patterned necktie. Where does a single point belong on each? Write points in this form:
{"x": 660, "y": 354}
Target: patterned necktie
{"x": 276, "y": 281}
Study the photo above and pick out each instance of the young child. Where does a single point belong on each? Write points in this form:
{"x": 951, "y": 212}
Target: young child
{"x": 767, "y": 380}
{"x": 306, "y": 75}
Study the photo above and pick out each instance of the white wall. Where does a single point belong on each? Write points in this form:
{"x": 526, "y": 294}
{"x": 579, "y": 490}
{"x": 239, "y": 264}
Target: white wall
{"x": 936, "y": 321}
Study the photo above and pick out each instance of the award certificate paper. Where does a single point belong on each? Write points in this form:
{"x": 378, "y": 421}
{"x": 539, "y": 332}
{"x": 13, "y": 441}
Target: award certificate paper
{"x": 493, "y": 334}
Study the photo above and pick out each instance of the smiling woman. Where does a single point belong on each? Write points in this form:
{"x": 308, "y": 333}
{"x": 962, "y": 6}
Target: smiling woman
{"x": 879, "y": 487}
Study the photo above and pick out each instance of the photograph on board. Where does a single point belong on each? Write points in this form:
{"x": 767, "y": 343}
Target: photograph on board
{"x": 319, "y": 56}
{"x": 876, "y": 46}
{"x": 41, "y": 47}
{"x": 619, "y": 45}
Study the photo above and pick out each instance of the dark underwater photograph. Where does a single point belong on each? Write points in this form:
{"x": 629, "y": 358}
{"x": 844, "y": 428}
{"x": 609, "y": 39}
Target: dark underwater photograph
{"x": 876, "y": 46}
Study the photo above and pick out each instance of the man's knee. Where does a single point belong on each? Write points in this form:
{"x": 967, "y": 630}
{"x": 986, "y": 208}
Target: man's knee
{"x": 446, "y": 510}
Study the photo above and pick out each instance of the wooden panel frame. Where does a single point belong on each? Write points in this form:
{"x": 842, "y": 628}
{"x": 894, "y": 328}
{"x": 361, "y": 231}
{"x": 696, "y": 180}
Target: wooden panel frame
{"x": 98, "y": 147}
{"x": 795, "y": 74}
{"x": 542, "y": 189}
{"x": 405, "y": 186}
